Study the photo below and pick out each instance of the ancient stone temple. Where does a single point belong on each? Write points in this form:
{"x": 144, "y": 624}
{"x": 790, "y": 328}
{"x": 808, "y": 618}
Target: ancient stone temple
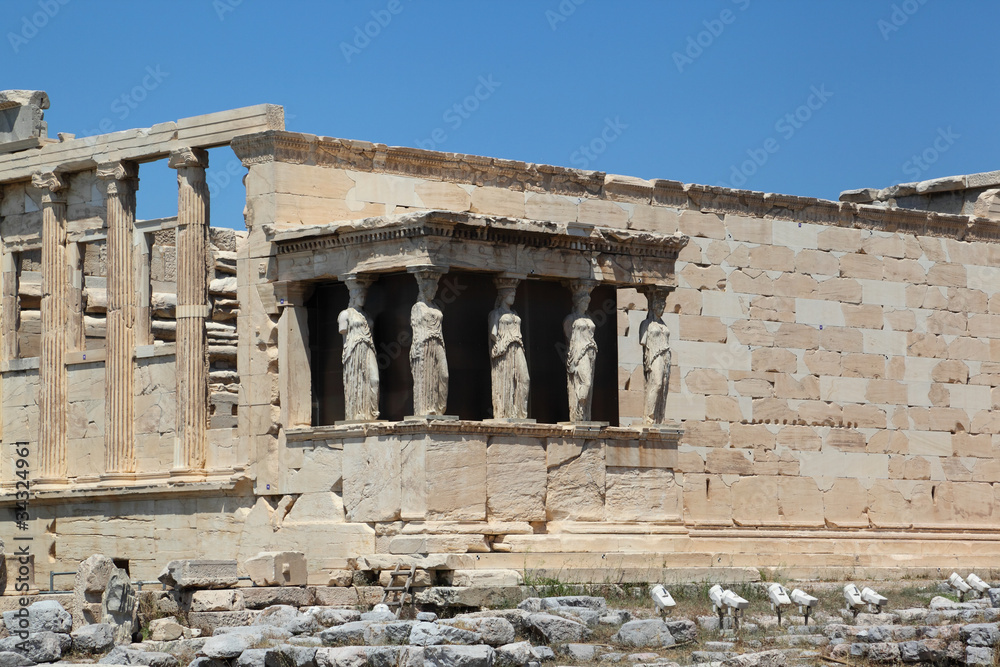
{"x": 517, "y": 366}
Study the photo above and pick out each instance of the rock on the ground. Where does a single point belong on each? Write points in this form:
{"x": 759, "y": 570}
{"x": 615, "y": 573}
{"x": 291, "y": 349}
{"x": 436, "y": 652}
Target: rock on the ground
{"x": 227, "y": 646}
{"x": 288, "y": 618}
{"x": 121, "y": 655}
{"x": 458, "y": 656}
{"x": 543, "y": 653}
{"x": 516, "y": 654}
{"x": 586, "y": 601}
{"x": 252, "y": 657}
{"x": 994, "y": 594}
{"x": 346, "y": 633}
{"x": 615, "y": 617}
{"x": 38, "y": 647}
{"x": 94, "y": 638}
{"x": 199, "y": 574}
{"x": 43, "y": 616}
{"x": 426, "y": 616}
{"x": 12, "y": 659}
{"x": 981, "y": 634}
{"x": 208, "y": 662}
{"x": 585, "y": 615}
{"x": 556, "y": 629}
{"x": 761, "y": 659}
{"x": 494, "y": 631}
{"x": 979, "y": 655}
{"x": 682, "y": 630}
{"x": 296, "y": 656}
{"x": 580, "y": 652}
{"x": 328, "y": 617}
{"x": 650, "y": 633}
{"x": 433, "y": 634}
{"x": 165, "y": 629}
{"x": 342, "y": 656}
{"x": 380, "y": 634}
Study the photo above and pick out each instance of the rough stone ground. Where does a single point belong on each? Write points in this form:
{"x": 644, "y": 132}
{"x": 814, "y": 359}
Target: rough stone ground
{"x": 925, "y": 626}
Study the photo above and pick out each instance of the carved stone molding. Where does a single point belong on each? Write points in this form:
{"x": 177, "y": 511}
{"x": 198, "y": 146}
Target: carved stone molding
{"x": 113, "y": 175}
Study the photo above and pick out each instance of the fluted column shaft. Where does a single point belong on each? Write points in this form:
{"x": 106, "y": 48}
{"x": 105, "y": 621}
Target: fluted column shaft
{"x": 52, "y": 398}
{"x": 192, "y": 308}
{"x": 120, "y": 183}
{"x": 8, "y": 305}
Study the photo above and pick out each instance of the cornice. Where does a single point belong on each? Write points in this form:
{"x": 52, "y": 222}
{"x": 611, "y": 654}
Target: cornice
{"x": 296, "y": 148}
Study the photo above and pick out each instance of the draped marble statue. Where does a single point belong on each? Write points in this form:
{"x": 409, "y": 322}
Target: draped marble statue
{"x": 654, "y": 336}
{"x": 360, "y": 364}
{"x": 582, "y": 354}
{"x": 428, "y": 363}
{"x": 508, "y": 363}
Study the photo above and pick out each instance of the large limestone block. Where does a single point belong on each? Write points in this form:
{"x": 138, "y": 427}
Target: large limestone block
{"x": 456, "y": 480}
{"x": 322, "y": 470}
{"x": 800, "y": 502}
{"x": 845, "y": 504}
{"x": 888, "y": 507}
{"x": 278, "y": 568}
{"x": 707, "y": 500}
{"x": 372, "y": 486}
{"x": 643, "y": 494}
{"x": 576, "y": 480}
{"x": 183, "y": 574}
{"x": 755, "y": 501}
{"x": 515, "y": 480}
{"x": 91, "y": 579}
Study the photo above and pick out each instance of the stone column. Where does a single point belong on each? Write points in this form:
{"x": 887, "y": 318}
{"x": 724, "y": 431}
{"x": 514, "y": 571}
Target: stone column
{"x": 120, "y": 181}
{"x": 294, "y": 368}
{"x": 192, "y": 308}
{"x": 52, "y": 395}
{"x": 9, "y": 314}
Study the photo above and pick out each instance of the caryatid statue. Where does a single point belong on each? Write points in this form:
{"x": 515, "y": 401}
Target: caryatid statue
{"x": 360, "y": 364}
{"x": 654, "y": 336}
{"x": 582, "y": 354}
{"x": 428, "y": 362}
{"x": 507, "y": 360}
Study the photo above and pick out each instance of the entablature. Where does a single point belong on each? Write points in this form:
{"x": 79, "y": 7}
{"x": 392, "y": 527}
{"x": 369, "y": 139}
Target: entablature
{"x": 450, "y": 240}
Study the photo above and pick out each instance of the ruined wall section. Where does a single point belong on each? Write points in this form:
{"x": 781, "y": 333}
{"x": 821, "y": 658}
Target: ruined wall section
{"x": 836, "y": 365}
{"x": 154, "y": 369}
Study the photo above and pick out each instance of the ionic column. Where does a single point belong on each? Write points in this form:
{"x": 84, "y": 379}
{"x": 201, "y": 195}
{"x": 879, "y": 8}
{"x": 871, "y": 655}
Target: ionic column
{"x": 9, "y": 304}
{"x": 192, "y": 308}
{"x": 120, "y": 181}
{"x": 52, "y": 398}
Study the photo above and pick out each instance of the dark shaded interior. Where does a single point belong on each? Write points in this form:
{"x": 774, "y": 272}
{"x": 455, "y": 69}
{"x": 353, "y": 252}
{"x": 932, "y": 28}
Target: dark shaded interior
{"x": 466, "y": 299}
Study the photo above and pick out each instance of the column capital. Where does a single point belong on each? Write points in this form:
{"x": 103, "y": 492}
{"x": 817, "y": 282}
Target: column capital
{"x": 507, "y": 280}
{"x": 585, "y": 285}
{"x": 51, "y": 186}
{"x": 112, "y": 173}
{"x": 186, "y": 156}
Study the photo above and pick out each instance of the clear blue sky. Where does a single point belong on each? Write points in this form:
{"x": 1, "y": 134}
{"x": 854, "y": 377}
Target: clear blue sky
{"x": 688, "y": 91}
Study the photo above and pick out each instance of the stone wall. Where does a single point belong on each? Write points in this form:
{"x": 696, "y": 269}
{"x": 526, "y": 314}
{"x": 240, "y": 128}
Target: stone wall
{"x": 835, "y": 364}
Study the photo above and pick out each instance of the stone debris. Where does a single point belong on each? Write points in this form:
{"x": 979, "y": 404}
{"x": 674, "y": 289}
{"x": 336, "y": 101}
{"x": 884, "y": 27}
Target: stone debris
{"x": 320, "y": 636}
{"x": 183, "y": 574}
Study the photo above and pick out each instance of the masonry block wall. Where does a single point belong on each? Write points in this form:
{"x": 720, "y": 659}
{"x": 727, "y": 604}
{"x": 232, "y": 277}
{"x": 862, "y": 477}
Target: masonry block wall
{"x": 835, "y": 365}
